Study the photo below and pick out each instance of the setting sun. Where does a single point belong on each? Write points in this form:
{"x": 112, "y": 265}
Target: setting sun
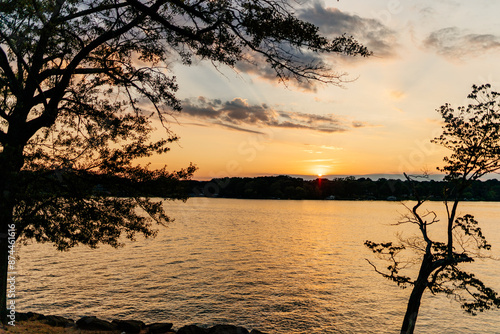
{"x": 321, "y": 170}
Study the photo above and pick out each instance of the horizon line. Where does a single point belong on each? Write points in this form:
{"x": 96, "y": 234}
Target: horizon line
{"x": 329, "y": 176}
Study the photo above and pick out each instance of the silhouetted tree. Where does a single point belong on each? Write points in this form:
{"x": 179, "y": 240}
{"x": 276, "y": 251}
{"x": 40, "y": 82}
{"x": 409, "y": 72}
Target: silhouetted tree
{"x": 80, "y": 82}
{"x": 472, "y": 133}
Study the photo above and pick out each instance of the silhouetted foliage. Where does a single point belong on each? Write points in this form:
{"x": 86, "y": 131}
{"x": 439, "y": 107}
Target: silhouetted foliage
{"x": 81, "y": 83}
{"x": 472, "y": 133}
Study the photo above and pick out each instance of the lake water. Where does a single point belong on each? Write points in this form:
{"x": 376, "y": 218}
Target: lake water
{"x": 277, "y": 266}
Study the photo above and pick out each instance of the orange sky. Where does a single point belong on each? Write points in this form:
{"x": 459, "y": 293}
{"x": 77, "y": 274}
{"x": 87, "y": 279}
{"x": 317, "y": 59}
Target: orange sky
{"x": 241, "y": 122}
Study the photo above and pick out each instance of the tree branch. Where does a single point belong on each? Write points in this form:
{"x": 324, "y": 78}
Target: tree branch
{"x": 50, "y": 113}
{"x": 60, "y": 71}
{"x": 152, "y": 12}
{"x": 32, "y": 81}
{"x": 14, "y": 85}
{"x": 3, "y": 137}
{"x": 279, "y": 65}
{"x": 91, "y": 11}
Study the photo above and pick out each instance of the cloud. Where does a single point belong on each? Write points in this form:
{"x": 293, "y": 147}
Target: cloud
{"x": 320, "y": 149}
{"x": 332, "y": 23}
{"x": 370, "y": 32}
{"x": 256, "y": 64}
{"x": 318, "y": 160}
{"x": 329, "y": 147}
{"x": 237, "y": 128}
{"x": 454, "y": 43}
{"x": 238, "y": 114}
{"x": 358, "y": 124}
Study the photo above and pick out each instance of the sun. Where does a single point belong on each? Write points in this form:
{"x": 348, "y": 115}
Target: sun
{"x": 320, "y": 171}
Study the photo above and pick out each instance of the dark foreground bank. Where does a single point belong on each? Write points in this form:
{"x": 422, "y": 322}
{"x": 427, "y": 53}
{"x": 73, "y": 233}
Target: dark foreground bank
{"x": 122, "y": 326}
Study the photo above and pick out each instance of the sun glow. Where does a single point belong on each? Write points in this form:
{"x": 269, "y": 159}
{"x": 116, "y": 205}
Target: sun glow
{"x": 320, "y": 171}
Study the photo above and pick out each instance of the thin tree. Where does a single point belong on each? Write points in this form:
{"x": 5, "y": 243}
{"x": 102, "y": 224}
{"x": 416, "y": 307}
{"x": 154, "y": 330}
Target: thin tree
{"x": 472, "y": 134}
{"x": 81, "y": 83}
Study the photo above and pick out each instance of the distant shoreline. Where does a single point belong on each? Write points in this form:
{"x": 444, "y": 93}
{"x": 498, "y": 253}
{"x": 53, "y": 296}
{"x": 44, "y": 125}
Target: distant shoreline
{"x": 343, "y": 200}
{"x": 348, "y": 188}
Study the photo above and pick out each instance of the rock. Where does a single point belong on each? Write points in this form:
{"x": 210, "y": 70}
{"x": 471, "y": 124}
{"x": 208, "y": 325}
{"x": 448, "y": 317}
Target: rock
{"x": 21, "y": 316}
{"x": 192, "y": 329}
{"x": 92, "y": 323}
{"x": 29, "y": 316}
{"x": 129, "y": 326}
{"x": 254, "y": 331}
{"x": 57, "y": 321}
{"x": 228, "y": 329}
{"x": 159, "y": 328}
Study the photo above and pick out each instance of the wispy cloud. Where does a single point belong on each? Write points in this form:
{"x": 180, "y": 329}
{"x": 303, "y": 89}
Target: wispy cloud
{"x": 455, "y": 43}
{"x": 238, "y": 114}
{"x": 256, "y": 64}
{"x": 318, "y": 160}
{"x": 333, "y": 22}
{"x": 321, "y": 149}
{"x": 329, "y": 147}
{"x": 358, "y": 124}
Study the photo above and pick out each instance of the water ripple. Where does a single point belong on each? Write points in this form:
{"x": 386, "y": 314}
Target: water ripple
{"x": 292, "y": 267}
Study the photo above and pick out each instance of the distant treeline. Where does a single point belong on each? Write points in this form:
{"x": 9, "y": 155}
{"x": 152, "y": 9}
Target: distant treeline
{"x": 70, "y": 184}
{"x": 348, "y": 188}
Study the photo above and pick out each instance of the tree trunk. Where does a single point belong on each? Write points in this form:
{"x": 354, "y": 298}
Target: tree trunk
{"x": 410, "y": 318}
{"x": 412, "y": 309}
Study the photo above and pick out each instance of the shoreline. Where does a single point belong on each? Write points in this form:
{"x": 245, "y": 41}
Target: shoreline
{"x": 31, "y": 322}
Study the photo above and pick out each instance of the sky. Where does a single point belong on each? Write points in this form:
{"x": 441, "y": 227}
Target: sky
{"x": 243, "y": 122}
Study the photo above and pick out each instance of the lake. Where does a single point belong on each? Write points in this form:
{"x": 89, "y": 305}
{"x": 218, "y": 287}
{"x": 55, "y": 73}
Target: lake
{"x": 274, "y": 265}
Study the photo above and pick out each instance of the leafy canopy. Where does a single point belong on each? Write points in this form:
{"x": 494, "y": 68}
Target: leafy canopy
{"x": 83, "y": 81}
{"x": 472, "y": 134}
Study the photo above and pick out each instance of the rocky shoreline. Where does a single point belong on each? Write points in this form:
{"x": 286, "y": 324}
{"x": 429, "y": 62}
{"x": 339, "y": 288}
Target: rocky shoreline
{"x": 129, "y": 326}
